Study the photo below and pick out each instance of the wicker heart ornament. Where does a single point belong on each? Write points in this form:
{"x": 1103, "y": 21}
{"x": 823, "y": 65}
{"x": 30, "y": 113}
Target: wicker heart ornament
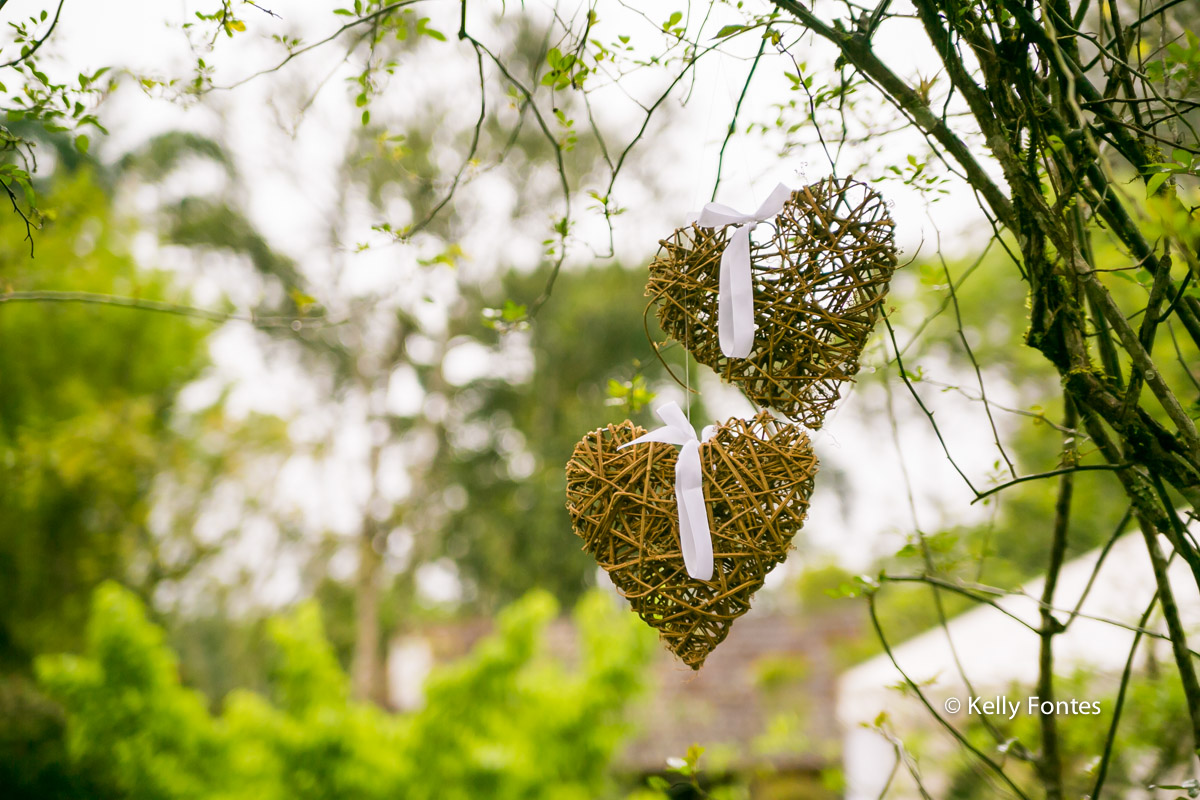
{"x": 819, "y": 284}
{"x": 757, "y": 479}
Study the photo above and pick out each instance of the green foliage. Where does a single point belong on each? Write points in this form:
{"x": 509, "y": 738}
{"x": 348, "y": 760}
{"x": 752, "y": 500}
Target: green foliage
{"x": 632, "y": 395}
{"x": 565, "y": 70}
{"x": 511, "y": 317}
{"x": 127, "y": 715}
{"x": 821, "y": 585}
{"x": 53, "y": 103}
{"x": 1179, "y": 64}
{"x": 916, "y": 174}
{"x": 505, "y": 722}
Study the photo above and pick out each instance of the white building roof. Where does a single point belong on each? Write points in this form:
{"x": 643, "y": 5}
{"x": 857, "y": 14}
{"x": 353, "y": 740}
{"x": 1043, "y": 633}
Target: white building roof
{"x": 996, "y": 651}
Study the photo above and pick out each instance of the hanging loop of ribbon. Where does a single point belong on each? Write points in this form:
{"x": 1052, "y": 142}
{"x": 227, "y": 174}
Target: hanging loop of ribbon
{"x": 735, "y": 300}
{"x": 695, "y": 538}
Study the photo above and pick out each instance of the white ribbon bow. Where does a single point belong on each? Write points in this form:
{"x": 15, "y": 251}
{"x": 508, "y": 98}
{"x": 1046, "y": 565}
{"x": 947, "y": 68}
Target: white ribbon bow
{"x": 695, "y": 539}
{"x": 735, "y": 301}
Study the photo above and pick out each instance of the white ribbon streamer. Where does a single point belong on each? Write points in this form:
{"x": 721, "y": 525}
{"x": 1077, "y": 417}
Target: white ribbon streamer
{"x": 695, "y": 538}
{"x": 735, "y": 301}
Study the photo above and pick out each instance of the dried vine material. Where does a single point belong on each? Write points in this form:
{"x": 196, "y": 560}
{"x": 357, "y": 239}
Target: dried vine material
{"x": 819, "y": 286}
{"x": 758, "y": 476}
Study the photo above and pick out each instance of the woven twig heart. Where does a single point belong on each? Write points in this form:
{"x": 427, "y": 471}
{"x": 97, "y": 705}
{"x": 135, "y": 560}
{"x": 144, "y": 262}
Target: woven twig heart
{"x": 819, "y": 285}
{"x": 758, "y": 476}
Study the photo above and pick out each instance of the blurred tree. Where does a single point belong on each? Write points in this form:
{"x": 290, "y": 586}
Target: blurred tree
{"x": 90, "y": 433}
{"x": 85, "y": 422}
{"x": 87, "y": 393}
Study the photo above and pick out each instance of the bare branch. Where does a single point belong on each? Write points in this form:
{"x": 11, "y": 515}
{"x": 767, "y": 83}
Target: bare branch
{"x": 90, "y": 298}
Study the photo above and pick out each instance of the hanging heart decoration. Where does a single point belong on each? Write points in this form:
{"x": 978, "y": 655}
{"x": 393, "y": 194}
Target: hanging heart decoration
{"x": 818, "y": 281}
{"x": 756, "y": 477}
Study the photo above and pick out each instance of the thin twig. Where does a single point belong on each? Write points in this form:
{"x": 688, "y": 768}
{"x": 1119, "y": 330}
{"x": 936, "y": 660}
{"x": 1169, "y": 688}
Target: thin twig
{"x": 92, "y": 298}
{"x": 1052, "y": 473}
{"x": 1049, "y": 764}
{"x": 1012, "y": 470}
{"x": 368, "y": 18}
{"x": 737, "y": 109}
{"x": 921, "y": 403}
{"x": 1119, "y": 704}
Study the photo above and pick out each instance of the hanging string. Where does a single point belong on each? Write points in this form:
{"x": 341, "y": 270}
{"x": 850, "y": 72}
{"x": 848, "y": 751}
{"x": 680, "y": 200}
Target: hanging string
{"x": 687, "y": 374}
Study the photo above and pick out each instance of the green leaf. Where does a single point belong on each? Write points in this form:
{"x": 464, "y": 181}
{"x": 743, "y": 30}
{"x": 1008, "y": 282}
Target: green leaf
{"x": 673, "y": 20}
{"x": 729, "y": 30}
{"x": 423, "y": 29}
{"x": 658, "y": 783}
{"x": 513, "y": 312}
{"x": 82, "y": 142}
{"x": 513, "y": 316}
{"x": 845, "y": 590}
{"x": 1155, "y": 182}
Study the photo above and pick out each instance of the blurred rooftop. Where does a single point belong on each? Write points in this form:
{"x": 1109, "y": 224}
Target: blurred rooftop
{"x": 764, "y": 704}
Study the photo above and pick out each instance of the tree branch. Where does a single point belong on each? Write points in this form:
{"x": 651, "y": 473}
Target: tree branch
{"x": 857, "y": 51}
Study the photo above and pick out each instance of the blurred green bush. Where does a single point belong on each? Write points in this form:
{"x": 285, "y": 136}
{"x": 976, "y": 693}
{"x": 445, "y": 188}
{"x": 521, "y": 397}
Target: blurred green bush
{"x": 507, "y": 721}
